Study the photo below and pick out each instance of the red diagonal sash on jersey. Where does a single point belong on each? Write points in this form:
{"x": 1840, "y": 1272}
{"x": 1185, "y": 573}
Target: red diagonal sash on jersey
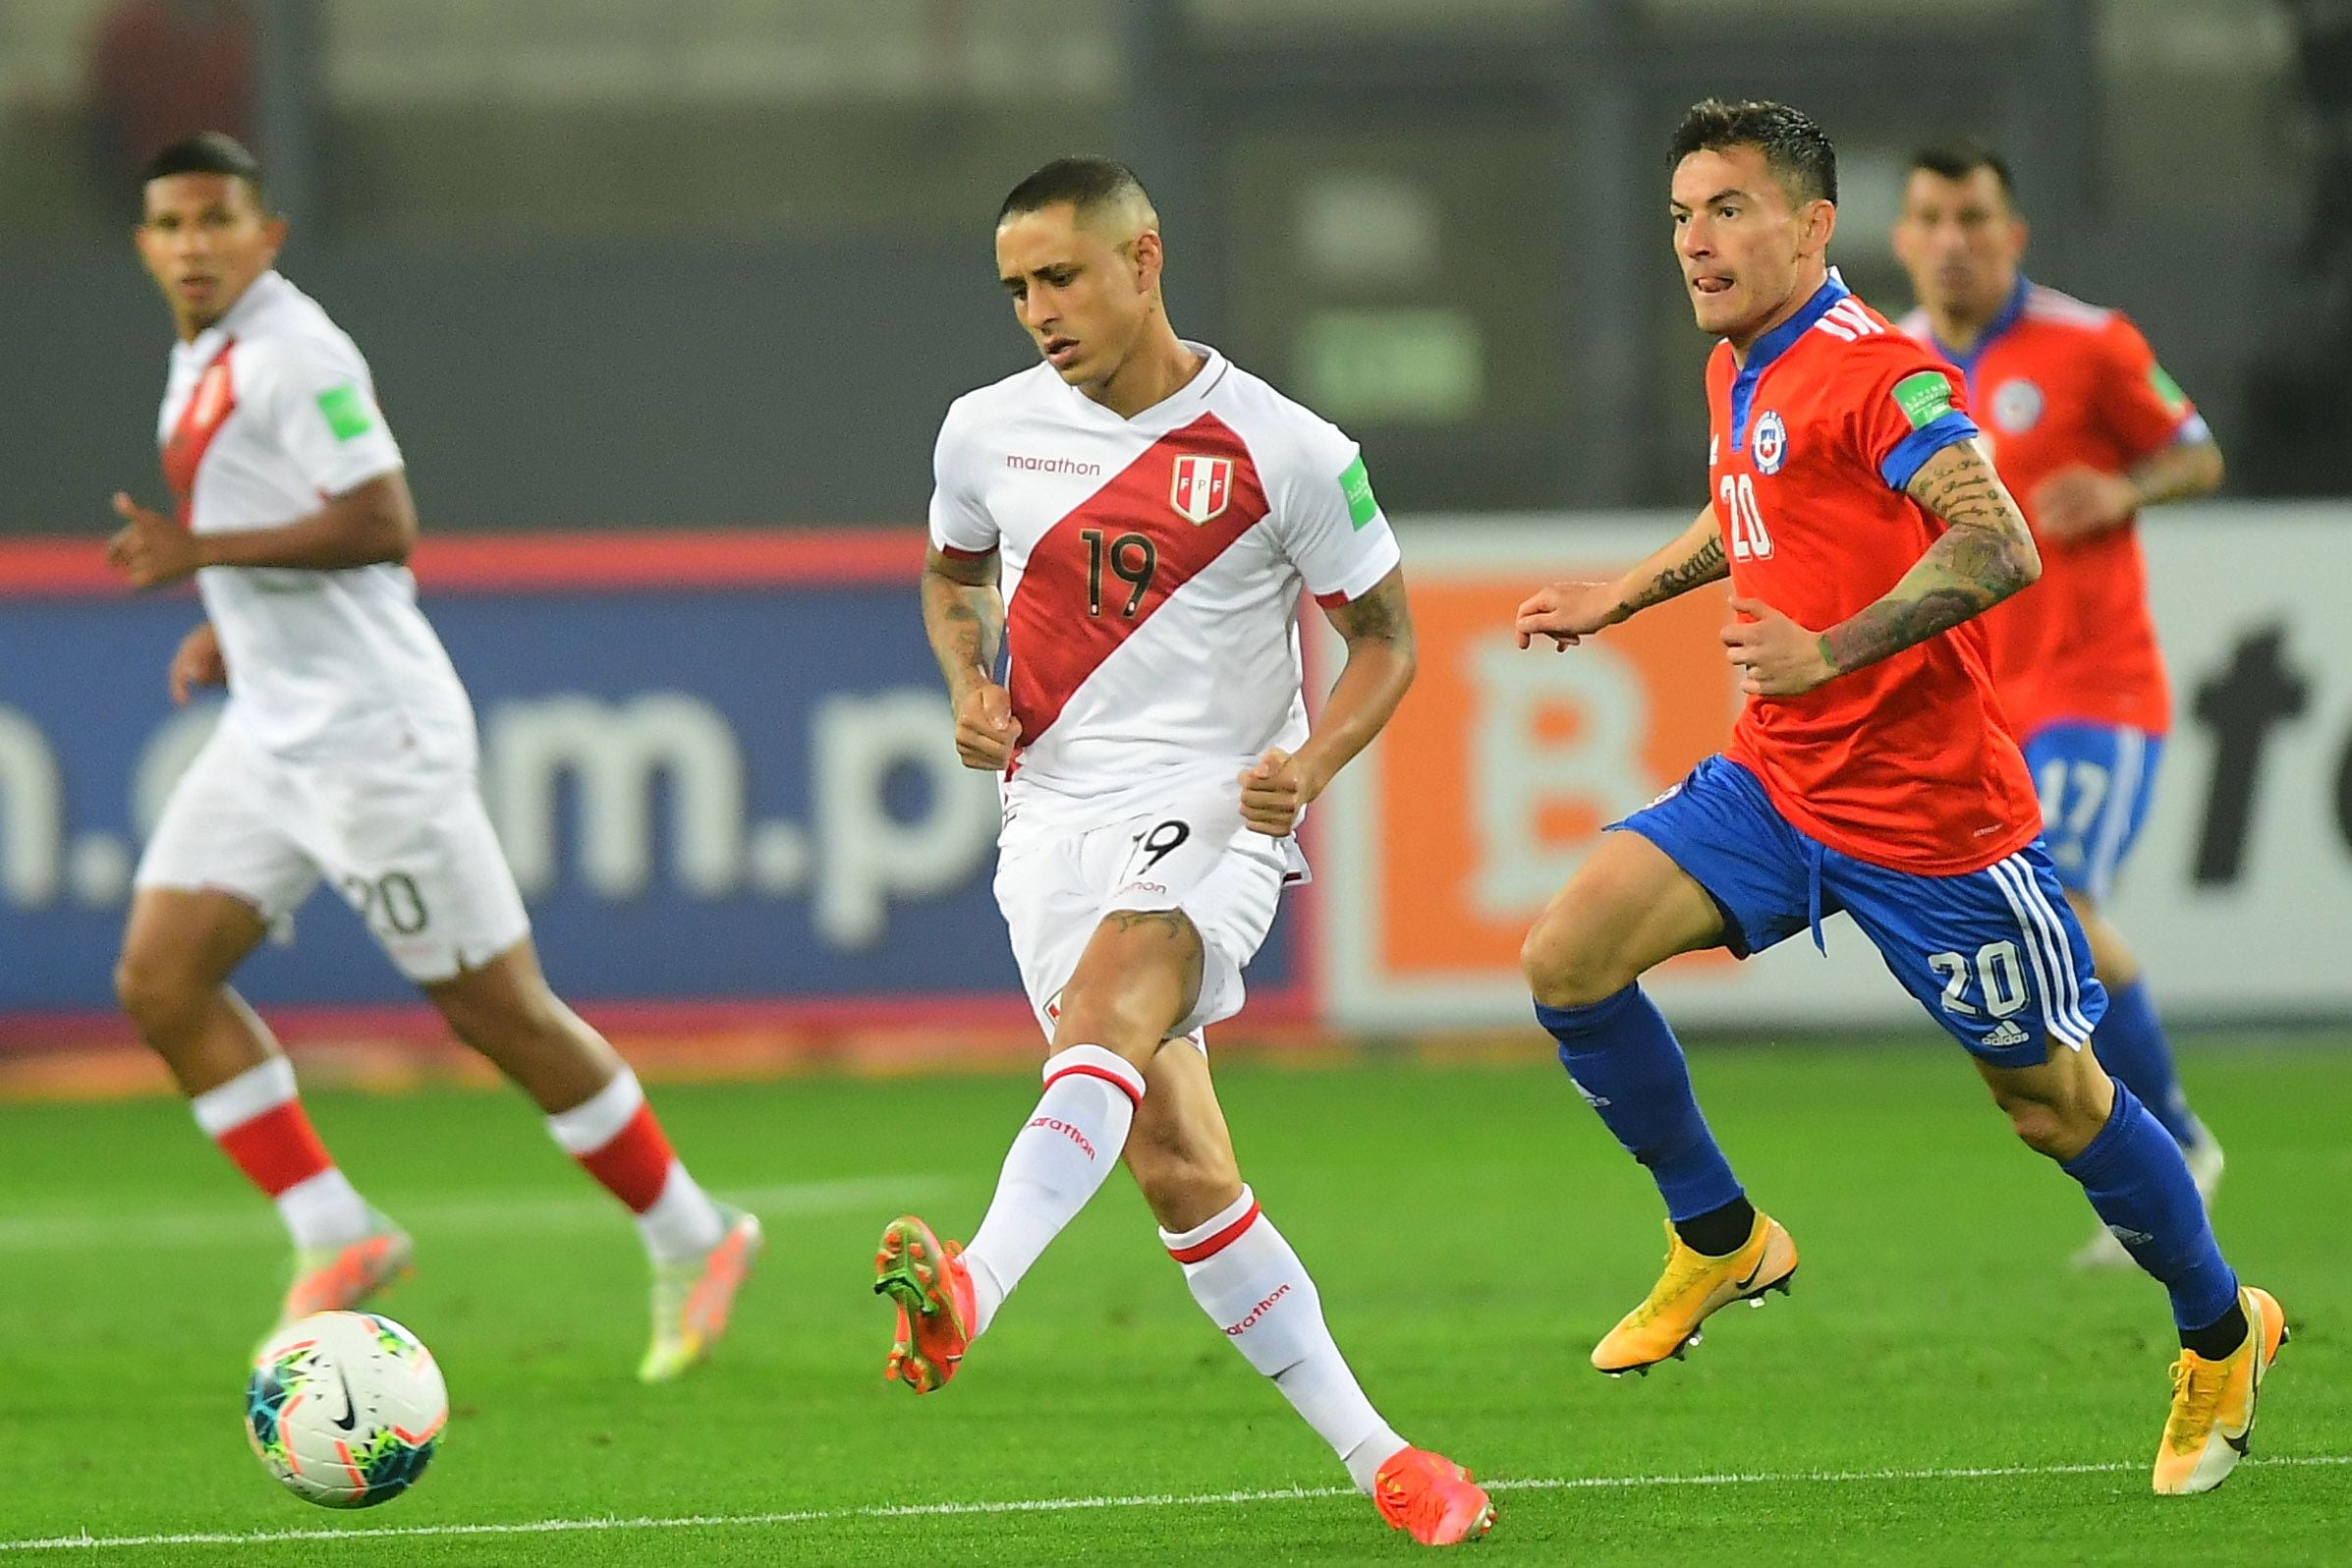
{"x": 1200, "y": 470}
{"x": 208, "y": 408}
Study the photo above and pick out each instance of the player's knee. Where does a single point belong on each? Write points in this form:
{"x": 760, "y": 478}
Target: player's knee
{"x": 1565, "y": 968}
{"x": 2057, "y": 1119}
{"x": 157, "y": 993}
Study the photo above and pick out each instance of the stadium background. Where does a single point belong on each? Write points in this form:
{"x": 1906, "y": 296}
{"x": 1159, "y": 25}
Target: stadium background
{"x": 664, "y": 302}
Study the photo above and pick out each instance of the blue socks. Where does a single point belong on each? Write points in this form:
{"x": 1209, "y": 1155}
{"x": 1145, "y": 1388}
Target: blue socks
{"x": 2135, "y": 1178}
{"x": 1626, "y": 1064}
{"x": 2131, "y": 1044}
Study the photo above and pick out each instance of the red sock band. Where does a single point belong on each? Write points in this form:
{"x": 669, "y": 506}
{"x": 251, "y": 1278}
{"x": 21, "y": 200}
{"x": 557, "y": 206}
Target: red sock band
{"x": 635, "y": 1165}
{"x": 278, "y": 1148}
{"x": 1203, "y": 1250}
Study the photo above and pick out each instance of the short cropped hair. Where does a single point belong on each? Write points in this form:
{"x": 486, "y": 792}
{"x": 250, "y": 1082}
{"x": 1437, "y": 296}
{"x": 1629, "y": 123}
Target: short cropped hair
{"x": 1794, "y": 145}
{"x": 1959, "y": 158}
{"x": 1086, "y": 184}
{"x": 206, "y": 153}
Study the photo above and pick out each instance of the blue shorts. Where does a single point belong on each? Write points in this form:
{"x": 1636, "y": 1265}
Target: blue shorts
{"x": 2097, "y": 781}
{"x": 1994, "y": 956}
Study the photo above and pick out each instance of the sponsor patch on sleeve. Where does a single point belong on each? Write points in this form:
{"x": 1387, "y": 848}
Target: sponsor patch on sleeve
{"x": 1356, "y": 485}
{"x": 2167, "y": 388}
{"x": 1924, "y": 398}
{"x": 347, "y": 411}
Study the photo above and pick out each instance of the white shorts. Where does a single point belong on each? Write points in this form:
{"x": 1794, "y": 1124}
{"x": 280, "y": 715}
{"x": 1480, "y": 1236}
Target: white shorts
{"x": 1055, "y": 886}
{"x": 405, "y": 841}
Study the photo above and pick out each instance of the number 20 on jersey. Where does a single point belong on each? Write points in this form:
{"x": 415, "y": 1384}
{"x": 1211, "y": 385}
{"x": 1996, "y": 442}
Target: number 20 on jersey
{"x": 1744, "y": 520}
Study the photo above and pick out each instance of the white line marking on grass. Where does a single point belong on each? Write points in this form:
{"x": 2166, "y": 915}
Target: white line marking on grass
{"x": 1064, "y": 1505}
{"x": 84, "y": 1230}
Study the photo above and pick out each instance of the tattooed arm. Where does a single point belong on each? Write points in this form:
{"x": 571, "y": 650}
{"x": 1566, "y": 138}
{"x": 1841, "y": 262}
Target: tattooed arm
{"x": 1984, "y": 554}
{"x": 963, "y": 615}
{"x": 1378, "y": 627}
{"x": 1568, "y": 612}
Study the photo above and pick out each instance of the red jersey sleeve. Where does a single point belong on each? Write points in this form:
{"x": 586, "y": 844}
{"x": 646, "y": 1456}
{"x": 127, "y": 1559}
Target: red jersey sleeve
{"x": 1909, "y": 405}
{"x": 2145, "y": 407}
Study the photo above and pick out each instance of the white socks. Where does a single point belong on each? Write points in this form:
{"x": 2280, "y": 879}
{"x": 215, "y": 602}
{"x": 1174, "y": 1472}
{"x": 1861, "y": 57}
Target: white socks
{"x": 1253, "y": 1287}
{"x": 614, "y": 1135}
{"x": 1059, "y": 1162}
{"x": 258, "y": 1121}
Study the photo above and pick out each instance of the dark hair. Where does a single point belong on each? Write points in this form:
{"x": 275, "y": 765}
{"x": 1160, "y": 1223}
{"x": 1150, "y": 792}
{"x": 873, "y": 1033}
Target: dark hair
{"x": 1083, "y": 183}
{"x": 206, "y": 153}
{"x": 1958, "y": 159}
{"x": 1795, "y": 147}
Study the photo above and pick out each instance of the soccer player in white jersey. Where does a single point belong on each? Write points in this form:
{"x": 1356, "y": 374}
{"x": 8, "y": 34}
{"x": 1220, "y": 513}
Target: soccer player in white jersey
{"x": 345, "y": 752}
{"x": 1134, "y": 520}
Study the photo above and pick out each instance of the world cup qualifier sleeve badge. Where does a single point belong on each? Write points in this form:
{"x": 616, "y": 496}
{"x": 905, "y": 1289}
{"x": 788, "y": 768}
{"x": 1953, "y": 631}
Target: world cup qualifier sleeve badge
{"x": 1770, "y": 447}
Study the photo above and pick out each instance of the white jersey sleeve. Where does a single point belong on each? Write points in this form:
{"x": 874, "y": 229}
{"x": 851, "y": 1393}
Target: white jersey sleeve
{"x": 960, "y": 518}
{"x": 1325, "y": 516}
{"x": 317, "y": 399}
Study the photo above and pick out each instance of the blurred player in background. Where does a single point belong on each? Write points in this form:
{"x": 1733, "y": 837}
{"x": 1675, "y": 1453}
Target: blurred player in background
{"x": 345, "y": 752}
{"x": 2086, "y": 428}
{"x": 1134, "y": 521}
{"x": 1870, "y": 770}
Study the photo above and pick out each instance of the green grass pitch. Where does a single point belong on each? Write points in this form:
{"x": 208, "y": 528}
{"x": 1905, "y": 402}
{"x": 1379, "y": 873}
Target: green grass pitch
{"x": 1473, "y": 1229}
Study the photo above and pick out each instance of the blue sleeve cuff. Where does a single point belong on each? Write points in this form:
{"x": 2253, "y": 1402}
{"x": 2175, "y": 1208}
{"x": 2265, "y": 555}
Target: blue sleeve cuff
{"x": 1911, "y": 454}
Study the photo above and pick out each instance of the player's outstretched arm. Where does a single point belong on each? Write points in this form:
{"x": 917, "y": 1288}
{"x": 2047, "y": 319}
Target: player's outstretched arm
{"x": 1377, "y": 625}
{"x": 1569, "y": 612}
{"x": 2077, "y": 502}
{"x": 963, "y": 615}
{"x": 371, "y": 522}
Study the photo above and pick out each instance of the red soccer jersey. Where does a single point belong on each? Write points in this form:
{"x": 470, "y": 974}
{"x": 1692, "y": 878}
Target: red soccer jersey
{"x": 2061, "y": 383}
{"x": 1908, "y": 763}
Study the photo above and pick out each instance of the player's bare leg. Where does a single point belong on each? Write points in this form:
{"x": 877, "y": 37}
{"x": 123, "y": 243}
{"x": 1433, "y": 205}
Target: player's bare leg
{"x": 2069, "y": 1108}
{"x": 701, "y": 1249}
{"x": 180, "y": 947}
{"x": 1628, "y": 909}
{"x": 2132, "y": 1044}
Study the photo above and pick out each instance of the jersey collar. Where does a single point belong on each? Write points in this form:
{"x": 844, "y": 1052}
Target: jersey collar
{"x": 1180, "y": 407}
{"x": 1965, "y": 361}
{"x": 208, "y": 343}
{"x": 1773, "y": 344}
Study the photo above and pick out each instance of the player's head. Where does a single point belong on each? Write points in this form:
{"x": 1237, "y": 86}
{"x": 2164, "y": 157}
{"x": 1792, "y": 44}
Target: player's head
{"x": 1960, "y": 237}
{"x": 1078, "y": 248}
{"x": 206, "y": 232}
{"x": 1755, "y": 200}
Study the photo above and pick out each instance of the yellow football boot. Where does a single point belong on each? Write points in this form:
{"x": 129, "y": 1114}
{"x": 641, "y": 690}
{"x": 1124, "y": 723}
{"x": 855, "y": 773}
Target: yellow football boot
{"x": 1693, "y": 1286}
{"x": 2212, "y": 1403}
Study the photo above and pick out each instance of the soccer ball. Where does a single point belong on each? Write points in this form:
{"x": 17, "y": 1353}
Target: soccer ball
{"x": 345, "y": 1409}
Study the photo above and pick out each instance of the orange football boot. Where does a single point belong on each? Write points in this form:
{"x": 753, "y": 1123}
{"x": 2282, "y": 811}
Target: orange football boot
{"x": 936, "y": 1309}
{"x": 1431, "y": 1498}
{"x": 329, "y": 1279}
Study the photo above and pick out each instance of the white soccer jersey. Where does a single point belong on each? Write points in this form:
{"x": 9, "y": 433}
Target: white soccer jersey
{"x": 1152, "y": 569}
{"x": 269, "y": 413}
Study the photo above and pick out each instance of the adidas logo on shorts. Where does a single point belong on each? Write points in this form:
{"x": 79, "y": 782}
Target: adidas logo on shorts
{"x": 2006, "y": 1033}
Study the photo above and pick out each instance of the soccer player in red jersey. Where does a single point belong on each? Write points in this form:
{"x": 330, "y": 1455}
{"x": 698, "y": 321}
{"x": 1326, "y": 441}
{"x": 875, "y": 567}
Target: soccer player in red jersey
{"x": 1870, "y": 770}
{"x": 2086, "y": 428}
